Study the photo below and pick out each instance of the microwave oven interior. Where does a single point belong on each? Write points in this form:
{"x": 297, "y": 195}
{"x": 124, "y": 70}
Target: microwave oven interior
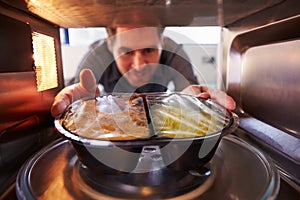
{"x": 259, "y": 65}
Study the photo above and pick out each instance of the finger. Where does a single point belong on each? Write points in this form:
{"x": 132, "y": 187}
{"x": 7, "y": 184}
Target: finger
{"x": 204, "y": 95}
{"x": 62, "y": 100}
{"x": 222, "y": 98}
{"x": 58, "y": 107}
{"x": 88, "y": 81}
{"x": 192, "y": 90}
{"x": 230, "y": 103}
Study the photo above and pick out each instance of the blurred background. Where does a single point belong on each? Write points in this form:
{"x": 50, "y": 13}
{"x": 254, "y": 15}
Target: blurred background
{"x": 202, "y": 44}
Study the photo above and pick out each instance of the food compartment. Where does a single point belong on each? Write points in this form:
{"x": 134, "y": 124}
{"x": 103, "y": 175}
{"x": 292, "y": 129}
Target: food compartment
{"x": 188, "y": 128}
{"x": 109, "y": 132}
{"x": 112, "y": 117}
{"x": 185, "y": 116}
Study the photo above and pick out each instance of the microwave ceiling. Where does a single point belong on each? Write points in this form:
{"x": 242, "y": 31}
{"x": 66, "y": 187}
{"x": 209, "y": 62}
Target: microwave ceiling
{"x": 101, "y": 13}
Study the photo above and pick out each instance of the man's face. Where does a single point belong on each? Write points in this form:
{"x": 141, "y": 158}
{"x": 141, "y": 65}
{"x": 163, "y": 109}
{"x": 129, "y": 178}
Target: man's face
{"x": 137, "y": 52}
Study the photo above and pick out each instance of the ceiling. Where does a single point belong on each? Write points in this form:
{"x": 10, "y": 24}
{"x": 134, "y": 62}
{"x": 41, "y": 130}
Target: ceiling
{"x": 99, "y": 13}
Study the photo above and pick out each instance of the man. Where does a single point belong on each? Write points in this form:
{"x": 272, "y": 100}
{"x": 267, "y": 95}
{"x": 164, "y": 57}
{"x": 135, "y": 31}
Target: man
{"x": 136, "y": 59}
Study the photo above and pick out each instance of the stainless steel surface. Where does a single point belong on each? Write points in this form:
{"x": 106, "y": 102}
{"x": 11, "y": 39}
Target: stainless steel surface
{"x": 170, "y": 12}
{"x": 52, "y": 173}
{"x": 19, "y": 96}
{"x": 16, "y": 148}
{"x": 26, "y": 124}
{"x": 269, "y": 88}
{"x": 262, "y": 68}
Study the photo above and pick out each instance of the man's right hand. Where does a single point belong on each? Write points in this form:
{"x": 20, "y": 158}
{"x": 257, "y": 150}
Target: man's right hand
{"x": 87, "y": 87}
{"x": 206, "y": 92}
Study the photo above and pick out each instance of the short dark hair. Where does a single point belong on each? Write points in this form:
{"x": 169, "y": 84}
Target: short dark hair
{"x": 111, "y": 30}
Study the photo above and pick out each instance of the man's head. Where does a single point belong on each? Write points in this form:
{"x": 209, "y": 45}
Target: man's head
{"x": 136, "y": 51}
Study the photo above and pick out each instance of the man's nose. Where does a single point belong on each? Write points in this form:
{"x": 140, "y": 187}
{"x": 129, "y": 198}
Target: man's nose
{"x": 138, "y": 60}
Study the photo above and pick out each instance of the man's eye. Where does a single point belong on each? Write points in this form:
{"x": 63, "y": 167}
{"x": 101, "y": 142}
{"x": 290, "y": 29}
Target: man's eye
{"x": 128, "y": 53}
{"x": 149, "y": 50}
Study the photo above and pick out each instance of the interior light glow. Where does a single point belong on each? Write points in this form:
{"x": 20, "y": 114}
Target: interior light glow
{"x": 44, "y": 61}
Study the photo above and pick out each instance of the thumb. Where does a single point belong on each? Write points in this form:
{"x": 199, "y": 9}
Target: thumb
{"x": 87, "y": 80}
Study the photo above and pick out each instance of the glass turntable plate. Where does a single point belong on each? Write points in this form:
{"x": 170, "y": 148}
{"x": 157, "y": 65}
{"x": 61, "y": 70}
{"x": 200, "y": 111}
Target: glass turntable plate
{"x": 237, "y": 171}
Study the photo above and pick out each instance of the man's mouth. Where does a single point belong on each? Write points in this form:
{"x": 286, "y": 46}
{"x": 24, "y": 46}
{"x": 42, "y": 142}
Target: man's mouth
{"x": 140, "y": 78}
{"x": 140, "y": 74}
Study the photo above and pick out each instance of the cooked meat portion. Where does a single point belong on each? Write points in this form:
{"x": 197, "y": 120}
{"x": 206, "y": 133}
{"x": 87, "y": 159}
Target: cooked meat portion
{"x": 111, "y": 118}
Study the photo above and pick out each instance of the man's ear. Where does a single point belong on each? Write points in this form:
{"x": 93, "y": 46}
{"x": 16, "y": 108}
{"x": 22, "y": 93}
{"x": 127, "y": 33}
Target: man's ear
{"x": 109, "y": 42}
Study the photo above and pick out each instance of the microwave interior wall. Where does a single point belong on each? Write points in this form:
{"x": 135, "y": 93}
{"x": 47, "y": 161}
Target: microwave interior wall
{"x": 25, "y": 121}
{"x": 262, "y": 69}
